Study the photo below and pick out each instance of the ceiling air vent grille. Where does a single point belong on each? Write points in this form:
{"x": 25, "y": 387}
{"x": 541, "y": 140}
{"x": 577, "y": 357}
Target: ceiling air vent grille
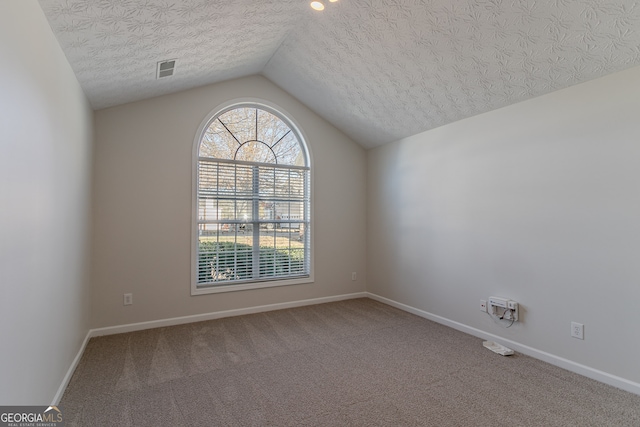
{"x": 166, "y": 68}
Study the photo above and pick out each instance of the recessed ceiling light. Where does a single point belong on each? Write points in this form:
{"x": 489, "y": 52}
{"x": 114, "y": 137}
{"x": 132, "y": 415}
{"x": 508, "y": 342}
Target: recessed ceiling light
{"x": 317, "y": 5}
{"x": 333, "y": 1}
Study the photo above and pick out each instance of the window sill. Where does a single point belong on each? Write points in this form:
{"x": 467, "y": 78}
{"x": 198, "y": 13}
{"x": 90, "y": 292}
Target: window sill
{"x": 195, "y": 290}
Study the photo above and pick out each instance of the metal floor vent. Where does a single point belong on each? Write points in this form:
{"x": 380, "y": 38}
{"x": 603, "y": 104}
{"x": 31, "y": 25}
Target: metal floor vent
{"x": 166, "y": 68}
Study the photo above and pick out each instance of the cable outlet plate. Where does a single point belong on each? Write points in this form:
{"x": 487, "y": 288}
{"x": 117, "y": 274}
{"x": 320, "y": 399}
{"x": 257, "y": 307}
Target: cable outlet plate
{"x": 504, "y": 308}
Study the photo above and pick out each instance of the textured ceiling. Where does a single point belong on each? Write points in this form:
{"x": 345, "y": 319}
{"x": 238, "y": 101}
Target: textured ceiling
{"x": 379, "y": 70}
{"x": 113, "y": 45}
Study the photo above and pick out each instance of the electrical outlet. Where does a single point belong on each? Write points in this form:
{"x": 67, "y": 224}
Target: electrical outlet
{"x": 483, "y": 306}
{"x": 577, "y": 330}
{"x": 353, "y": 276}
{"x": 128, "y": 299}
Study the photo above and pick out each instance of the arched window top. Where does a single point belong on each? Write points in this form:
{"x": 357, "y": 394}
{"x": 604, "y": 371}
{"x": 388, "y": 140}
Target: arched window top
{"x": 253, "y": 134}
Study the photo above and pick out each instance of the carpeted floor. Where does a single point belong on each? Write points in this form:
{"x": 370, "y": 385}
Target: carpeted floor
{"x": 348, "y": 363}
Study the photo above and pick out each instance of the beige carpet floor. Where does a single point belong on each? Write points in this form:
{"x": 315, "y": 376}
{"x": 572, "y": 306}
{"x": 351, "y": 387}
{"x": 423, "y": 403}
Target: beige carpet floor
{"x": 348, "y": 363}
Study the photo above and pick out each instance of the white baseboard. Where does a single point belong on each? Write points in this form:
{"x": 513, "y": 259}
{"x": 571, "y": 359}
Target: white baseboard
{"x": 70, "y": 371}
{"x": 561, "y": 362}
{"x": 111, "y": 330}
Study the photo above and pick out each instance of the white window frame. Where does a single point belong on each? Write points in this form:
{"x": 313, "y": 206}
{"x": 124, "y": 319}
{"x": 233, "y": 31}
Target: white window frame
{"x": 257, "y": 284}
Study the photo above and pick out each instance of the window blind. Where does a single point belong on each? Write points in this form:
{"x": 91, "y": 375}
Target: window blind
{"x": 253, "y": 221}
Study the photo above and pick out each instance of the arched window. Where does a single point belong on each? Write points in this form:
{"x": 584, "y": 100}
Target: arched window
{"x": 252, "y": 195}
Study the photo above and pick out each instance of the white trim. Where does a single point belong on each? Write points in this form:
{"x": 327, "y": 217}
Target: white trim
{"x": 131, "y": 327}
{"x": 561, "y": 362}
{"x": 252, "y": 285}
{"x": 70, "y": 371}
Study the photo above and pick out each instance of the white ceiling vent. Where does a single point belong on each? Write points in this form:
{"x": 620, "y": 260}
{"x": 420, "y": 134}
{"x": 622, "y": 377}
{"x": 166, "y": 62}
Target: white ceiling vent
{"x": 166, "y": 68}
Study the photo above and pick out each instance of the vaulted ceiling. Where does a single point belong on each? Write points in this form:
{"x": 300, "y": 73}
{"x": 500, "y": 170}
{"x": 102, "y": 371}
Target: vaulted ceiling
{"x": 379, "y": 70}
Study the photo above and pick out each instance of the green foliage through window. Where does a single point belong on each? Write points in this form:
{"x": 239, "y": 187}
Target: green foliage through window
{"x": 234, "y": 261}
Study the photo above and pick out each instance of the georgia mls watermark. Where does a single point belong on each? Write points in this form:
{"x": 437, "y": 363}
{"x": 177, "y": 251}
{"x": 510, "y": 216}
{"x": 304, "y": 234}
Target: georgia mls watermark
{"x": 31, "y": 416}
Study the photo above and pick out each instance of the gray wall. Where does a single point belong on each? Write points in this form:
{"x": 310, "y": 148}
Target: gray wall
{"x": 538, "y": 202}
{"x": 142, "y": 206}
{"x": 45, "y": 152}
